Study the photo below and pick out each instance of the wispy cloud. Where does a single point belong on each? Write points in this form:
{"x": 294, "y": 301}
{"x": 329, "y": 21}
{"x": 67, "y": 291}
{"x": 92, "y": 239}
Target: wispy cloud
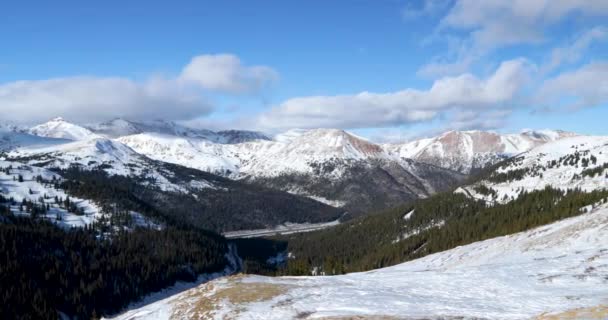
{"x": 473, "y": 29}
{"x": 581, "y": 88}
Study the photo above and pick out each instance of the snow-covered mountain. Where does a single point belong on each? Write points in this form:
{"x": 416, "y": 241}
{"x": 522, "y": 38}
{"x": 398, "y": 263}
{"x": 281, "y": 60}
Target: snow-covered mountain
{"x": 569, "y": 163}
{"x": 60, "y": 128}
{"x": 466, "y": 151}
{"x": 221, "y": 204}
{"x": 557, "y": 271}
{"x": 328, "y": 165}
{"x": 198, "y": 153}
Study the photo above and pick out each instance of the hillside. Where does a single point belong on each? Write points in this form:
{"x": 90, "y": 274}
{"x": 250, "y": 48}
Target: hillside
{"x": 194, "y": 197}
{"x": 577, "y": 162}
{"x": 554, "y": 269}
{"x": 472, "y": 213}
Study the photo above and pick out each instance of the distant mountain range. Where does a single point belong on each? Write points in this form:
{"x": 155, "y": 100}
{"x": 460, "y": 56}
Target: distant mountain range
{"x": 328, "y": 165}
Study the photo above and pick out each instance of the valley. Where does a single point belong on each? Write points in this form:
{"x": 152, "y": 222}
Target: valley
{"x": 304, "y": 160}
{"x": 325, "y": 205}
{"x": 545, "y": 271}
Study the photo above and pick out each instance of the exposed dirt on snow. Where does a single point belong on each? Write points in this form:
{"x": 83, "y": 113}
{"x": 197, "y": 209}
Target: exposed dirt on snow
{"x": 593, "y": 313}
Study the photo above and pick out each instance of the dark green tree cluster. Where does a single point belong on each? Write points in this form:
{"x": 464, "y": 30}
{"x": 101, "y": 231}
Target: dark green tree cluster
{"x": 229, "y": 206}
{"x": 439, "y": 223}
{"x": 45, "y": 270}
{"x": 592, "y": 172}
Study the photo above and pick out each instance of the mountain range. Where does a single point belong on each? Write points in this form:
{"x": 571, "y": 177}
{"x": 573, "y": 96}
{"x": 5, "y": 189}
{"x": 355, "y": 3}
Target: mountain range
{"x": 332, "y": 166}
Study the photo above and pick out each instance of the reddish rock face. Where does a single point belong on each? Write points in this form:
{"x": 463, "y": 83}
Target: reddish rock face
{"x": 465, "y": 150}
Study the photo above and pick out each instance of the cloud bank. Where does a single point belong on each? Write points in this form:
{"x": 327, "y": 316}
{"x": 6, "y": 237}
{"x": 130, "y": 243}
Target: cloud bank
{"x": 86, "y": 98}
{"x": 367, "y": 109}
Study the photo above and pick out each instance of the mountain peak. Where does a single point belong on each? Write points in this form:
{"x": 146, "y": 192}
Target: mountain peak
{"x": 60, "y": 128}
{"x": 336, "y": 141}
{"x": 465, "y": 151}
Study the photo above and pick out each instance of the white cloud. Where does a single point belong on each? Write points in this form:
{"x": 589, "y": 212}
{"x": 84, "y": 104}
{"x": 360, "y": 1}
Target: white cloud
{"x": 501, "y": 22}
{"x": 88, "y": 98}
{"x": 492, "y": 24}
{"x": 574, "y": 51}
{"x": 581, "y": 88}
{"x": 224, "y": 72}
{"x": 464, "y": 92}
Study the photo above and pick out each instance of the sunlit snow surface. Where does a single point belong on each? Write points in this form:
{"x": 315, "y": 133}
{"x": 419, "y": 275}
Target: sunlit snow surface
{"x": 562, "y": 177}
{"x": 550, "y": 269}
{"x": 32, "y": 190}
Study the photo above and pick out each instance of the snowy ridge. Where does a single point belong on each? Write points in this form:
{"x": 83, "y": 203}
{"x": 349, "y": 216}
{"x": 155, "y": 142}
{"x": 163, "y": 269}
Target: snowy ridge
{"x": 114, "y": 157}
{"x": 59, "y": 128}
{"x": 547, "y": 270}
{"x": 464, "y": 151}
{"x": 294, "y": 153}
{"x": 300, "y": 153}
{"x": 191, "y": 152}
{"x": 576, "y": 162}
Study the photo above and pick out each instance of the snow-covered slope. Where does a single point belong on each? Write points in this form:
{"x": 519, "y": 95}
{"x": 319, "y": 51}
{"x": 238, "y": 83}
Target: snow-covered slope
{"x": 301, "y": 153}
{"x": 465, "y": 151}
{"x": 558, "y": 269}
{"x": 576, "y": 162}
{"x": 178, "y": 187}
{"x": 198, "y": 153}
{"x": 304, "y": 152}
{"x": 109, "y": 155}
{"x": 34, "y": 188}
{"x": 59, "y": 128}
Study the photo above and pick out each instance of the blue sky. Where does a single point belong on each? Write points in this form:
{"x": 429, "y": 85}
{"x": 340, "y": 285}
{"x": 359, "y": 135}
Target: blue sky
{"x": 384, "y": 69}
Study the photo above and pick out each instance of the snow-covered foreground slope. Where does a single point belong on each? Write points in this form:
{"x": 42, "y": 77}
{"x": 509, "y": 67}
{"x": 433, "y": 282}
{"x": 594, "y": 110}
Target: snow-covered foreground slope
{"x": 548, "y": 270}
{"x": 576, "y": 162}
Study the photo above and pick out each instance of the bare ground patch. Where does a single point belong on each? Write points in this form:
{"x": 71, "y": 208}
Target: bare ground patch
{"x": 203, "y": 302}
{"x": 599, "y": 312}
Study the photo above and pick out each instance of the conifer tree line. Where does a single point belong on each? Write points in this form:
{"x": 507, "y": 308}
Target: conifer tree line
{"x": 96, "y": 270}
{"x": 231, "y": 206}
{"x": 45, "y": 269}
{"x": 439, "y": 223}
